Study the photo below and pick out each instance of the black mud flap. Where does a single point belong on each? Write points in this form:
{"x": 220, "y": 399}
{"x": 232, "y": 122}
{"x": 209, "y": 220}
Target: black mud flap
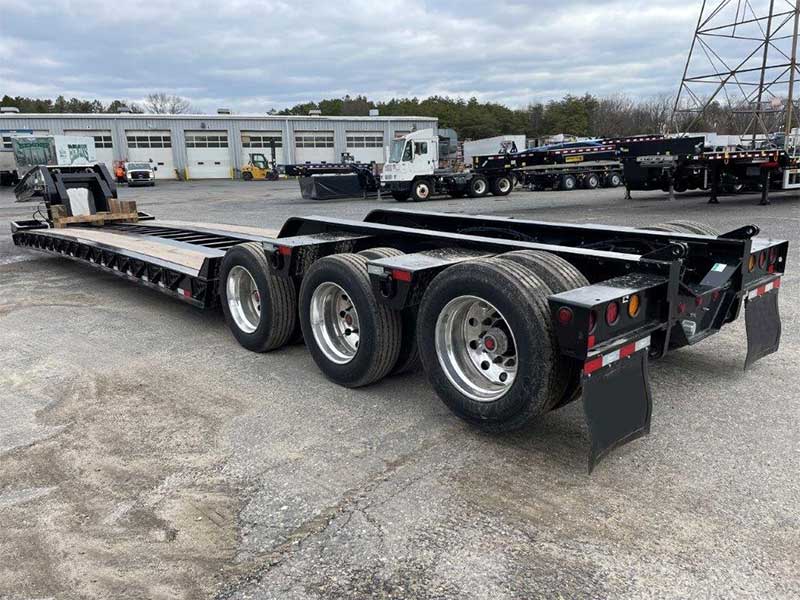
{"x": 618, "y": 405}
{"x": 763, "y": 323}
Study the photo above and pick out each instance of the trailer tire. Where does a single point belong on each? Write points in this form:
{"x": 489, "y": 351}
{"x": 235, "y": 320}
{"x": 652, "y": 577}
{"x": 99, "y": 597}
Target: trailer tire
{"x": 591, "y": 181}
{"x": 260, "y": 308}
{"x": 668, "y": 227}
{"x": 400, "y": 196}
{"x": 523, "y": 331}
{"x": 613, "y": 180}
{"x": 408, "y": 359}
{"x": 559, "y": 276}
{"x": 502, "y": 186}
{"x": 695, "y": 227}
{"x": 477, "y": 186}
{"x": 348, "y": 361}
{"x": 421, "y": 190}
{"x": 568, "y": 183}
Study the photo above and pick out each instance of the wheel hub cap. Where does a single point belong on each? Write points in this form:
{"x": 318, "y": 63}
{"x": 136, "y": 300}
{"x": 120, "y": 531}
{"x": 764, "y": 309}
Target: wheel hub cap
{"x": 334, "y": 323}
{"x": 244, "y": 301}
{"x": 476, "y": 348}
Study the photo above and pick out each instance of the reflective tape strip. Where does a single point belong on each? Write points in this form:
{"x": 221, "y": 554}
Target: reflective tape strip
{"x": 763, "y": 289}
{"x": 598, "y": 362}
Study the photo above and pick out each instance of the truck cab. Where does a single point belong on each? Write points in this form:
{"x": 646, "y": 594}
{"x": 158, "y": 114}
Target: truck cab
{"x": 140, "y": 173}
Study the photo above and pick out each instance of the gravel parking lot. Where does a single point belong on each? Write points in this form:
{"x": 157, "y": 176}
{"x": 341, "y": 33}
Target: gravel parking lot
{"x": 144, "y": 454}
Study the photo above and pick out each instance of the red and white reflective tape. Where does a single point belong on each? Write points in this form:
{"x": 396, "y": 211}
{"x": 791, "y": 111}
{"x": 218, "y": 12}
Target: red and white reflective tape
{"x": 184, "y": 293}
{"x": 598, "y": 362}
{"x": 763, "y": 289}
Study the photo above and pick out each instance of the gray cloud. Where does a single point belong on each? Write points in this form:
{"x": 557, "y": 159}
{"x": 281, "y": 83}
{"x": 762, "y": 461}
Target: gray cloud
{"x": 253, "y": 56}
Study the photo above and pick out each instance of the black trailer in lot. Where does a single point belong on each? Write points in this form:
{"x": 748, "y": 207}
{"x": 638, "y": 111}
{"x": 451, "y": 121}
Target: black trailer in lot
{"x": 509, "y": 318}
{"x": 681, "y": 164}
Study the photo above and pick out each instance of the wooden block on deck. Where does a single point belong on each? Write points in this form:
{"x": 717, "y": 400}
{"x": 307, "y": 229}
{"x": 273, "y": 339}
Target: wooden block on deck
{"x": 122, "y": 206}
{"x": 98, "y": 219}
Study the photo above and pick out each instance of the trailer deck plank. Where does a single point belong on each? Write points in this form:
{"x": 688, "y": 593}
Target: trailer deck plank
{"x": 167, "y": 250}
{"x": 219, "y": 228}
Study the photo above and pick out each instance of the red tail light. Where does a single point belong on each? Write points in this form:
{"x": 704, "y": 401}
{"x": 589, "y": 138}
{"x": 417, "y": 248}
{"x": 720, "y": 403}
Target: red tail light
{"x": 612, "y": 313}
{"x": 564, "y": 315}
{"x": 773, "y": 255}
{"x": 762, "y": 259}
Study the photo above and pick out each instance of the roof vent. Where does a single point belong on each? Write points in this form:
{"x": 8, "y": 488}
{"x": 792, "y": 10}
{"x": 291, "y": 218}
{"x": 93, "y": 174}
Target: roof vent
{"x": 374, "y": 112}
{"x": 223, "y": 111}
{"x": 8, "y": 109}
{"x": 315, "y": 113}
{"x": 123, "y": 109}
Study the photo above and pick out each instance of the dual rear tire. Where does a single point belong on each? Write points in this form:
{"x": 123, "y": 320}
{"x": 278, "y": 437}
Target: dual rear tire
{"x": 483, "y": 331}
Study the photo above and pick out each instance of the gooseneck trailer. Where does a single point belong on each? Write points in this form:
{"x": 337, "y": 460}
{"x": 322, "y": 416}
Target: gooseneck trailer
{"x": 508, "y": 318}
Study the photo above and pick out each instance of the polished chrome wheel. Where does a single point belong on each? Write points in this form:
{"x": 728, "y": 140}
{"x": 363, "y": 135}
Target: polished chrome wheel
{"x": 476, "y": 348}
{"x": 244, "y": 301}
{"x": 334, "y": 323}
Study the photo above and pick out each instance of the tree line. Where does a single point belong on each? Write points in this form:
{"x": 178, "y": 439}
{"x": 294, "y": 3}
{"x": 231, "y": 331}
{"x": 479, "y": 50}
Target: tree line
{"x": 585, "y": 115}
{"x": 156, "y": 103}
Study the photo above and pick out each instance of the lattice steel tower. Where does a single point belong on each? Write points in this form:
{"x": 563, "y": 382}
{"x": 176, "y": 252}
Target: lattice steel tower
{"x": 741, "y": 70}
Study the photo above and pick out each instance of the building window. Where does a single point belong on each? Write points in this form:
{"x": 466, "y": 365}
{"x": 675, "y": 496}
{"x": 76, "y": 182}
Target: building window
{"x": 207, "y": 141}
{"x": 149, "y": 141}
{"x": 6, "y": 143}
{"x": 261, "y": 141}
{"x": 103, "y": 141}
{"x": 366, "y": 139}
{"x": 317, "y": 139}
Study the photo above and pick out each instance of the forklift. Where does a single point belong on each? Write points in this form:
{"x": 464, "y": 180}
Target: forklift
{"x": 259, "y": 168}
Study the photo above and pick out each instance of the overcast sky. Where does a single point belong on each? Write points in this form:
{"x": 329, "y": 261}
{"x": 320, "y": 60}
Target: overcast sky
{"x": 253, "y": 56}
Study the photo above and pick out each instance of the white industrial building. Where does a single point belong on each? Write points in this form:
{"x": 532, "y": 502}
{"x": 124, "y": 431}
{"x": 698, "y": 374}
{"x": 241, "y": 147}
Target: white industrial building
{"x": 217, "y": 146}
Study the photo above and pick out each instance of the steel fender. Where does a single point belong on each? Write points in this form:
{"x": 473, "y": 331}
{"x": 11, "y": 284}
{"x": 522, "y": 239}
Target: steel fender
{"x": 763, "y": 325}
{"x": 618, "y": 404}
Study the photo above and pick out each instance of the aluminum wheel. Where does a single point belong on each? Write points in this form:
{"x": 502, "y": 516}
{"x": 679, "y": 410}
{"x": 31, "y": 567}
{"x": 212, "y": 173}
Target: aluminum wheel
{"x": 504, "y": 185}
{"x": 334, "y": 323}
{"x": 244, "y": 301}
{"x": 479, "y": 187}
{"x": 476, "y": 348}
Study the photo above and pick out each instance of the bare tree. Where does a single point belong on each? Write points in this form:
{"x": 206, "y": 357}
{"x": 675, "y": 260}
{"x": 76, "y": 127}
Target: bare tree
{"x": 161, "y": 103}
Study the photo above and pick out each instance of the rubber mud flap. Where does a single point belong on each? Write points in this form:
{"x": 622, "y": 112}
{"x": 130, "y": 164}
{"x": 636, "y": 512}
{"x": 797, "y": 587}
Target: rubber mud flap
{"x": 763, "y": 324}
{"x": 618, "y": 405}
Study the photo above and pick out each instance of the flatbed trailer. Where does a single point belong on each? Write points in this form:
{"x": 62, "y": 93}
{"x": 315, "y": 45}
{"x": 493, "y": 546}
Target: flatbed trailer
{"x": 509, "y": 318}
{"x": 577, "y": 165}
{"x": 680, "y": 165}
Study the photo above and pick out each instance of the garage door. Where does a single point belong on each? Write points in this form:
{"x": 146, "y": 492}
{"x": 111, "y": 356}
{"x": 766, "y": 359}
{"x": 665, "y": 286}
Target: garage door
{"x": 314, "y": 146}
{"x": 103, "y": 144}
{"x": 262, "y": 142}
{"x": 207, "y": 155}
{"x": 155, "y": 146}
{"x": 366, "y": 146}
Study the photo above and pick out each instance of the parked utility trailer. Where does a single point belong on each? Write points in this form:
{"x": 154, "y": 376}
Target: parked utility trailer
{"x": 509, "y": 318}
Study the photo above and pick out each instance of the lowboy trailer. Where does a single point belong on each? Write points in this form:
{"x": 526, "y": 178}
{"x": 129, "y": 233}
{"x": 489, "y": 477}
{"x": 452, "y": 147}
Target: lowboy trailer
{"x": 509, "y": 318}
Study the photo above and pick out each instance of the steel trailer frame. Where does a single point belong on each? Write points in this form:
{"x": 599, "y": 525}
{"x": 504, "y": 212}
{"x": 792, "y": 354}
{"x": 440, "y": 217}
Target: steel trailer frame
{"x": 688, "y": 286}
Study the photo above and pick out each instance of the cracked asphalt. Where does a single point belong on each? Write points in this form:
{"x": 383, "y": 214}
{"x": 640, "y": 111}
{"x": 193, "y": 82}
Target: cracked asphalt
{"x": 144, "y": 454}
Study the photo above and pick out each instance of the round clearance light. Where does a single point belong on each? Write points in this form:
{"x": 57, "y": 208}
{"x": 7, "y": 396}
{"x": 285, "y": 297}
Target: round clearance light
{"x": 762, "y": 259}
{"x": 564, "y": 315}
{"x": 751, "y": 264}
{"x": 633, "y": 306}
{"x": 612, "y": 313}
{"x": 773, "y": 255}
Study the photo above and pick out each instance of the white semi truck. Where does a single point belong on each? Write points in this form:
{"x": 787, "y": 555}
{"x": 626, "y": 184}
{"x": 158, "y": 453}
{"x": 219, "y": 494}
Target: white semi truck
{"x": 411, "y": 172}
